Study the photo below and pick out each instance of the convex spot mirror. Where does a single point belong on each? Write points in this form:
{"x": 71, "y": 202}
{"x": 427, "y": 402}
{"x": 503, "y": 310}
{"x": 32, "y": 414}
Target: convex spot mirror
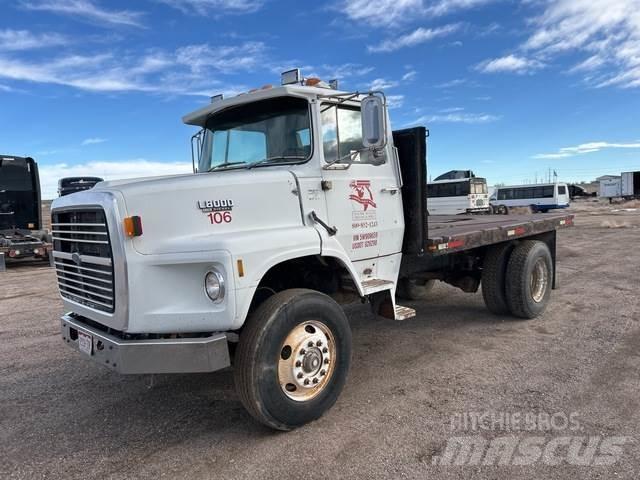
{"x": 372, "y": 110}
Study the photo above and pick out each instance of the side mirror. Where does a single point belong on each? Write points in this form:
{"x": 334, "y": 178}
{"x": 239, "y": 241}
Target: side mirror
{"x": 373, "y": 117}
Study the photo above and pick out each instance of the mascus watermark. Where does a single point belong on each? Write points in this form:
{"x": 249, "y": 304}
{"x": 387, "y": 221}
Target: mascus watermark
{"x": 530, "y": 450}
{"x": 534, "y": 438}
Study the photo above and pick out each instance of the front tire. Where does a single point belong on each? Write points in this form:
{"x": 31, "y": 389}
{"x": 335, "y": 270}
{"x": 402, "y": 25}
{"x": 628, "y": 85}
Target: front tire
{"x": 529, "y": 279}
{"x": 293, "y": 358}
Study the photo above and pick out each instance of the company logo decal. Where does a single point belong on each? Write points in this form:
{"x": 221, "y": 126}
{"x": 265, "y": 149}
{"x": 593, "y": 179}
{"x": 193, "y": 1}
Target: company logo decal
{"x": 361, "y": 193}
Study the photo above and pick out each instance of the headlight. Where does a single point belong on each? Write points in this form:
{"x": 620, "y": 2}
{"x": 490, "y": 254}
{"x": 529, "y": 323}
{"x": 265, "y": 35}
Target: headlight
{"x": 214, "y": 285}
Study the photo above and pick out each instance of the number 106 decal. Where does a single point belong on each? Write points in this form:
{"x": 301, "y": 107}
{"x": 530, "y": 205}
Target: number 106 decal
{"x": 217, "y": 218}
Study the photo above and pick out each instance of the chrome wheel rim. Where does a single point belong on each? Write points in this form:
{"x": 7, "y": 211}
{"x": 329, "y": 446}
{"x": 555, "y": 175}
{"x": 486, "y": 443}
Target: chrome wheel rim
{"x": 307, "y": 360}
{"x": 539, "y": 280}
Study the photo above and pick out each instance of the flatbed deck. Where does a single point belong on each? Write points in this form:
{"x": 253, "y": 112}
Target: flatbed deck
{"x": 451, "y": 233}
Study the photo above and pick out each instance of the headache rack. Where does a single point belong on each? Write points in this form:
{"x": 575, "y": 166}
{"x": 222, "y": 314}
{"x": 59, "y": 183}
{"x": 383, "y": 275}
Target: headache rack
{"x": 83, "y": 257}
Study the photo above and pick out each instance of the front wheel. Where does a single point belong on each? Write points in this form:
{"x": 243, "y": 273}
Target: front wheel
{"x": 293, "y": 358}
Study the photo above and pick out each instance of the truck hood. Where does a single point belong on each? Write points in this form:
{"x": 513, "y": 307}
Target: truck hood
{"x": 186, "y": 213}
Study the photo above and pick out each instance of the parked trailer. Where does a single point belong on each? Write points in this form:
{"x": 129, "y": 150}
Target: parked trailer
{"x": 248, "y": 261}
{"x": 630, "y": 185}
{"x": 21, "y": 234}
{"x": 611, "y": 188}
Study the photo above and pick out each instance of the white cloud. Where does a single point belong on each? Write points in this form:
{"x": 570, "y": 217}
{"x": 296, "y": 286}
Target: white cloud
{"x": 117, "y": 170}
{"x": 459, "y": 117}
{"x": 452, "y": 110}
{"x": 93, "y": 141}
{"x": 215, "y": 7}
{"x": 409, "y": 76}
{"x": 382, "y": 84}
{"x": 584, "y": 148}
{"x": 86, "y": 10}
{"x": 456, "y": 82}
{"x": 395, "y": 101}
{"x": 510, "y": 63}
{"x": 5, "y": 88}
{"x": 606, "y": 33}
{"x": 392, "y": 13}
{"x": 17, "y": 40}
{"x": 418, "y": 36}
{"x": 190, "y": 70}
{"x": 242, "y": 57}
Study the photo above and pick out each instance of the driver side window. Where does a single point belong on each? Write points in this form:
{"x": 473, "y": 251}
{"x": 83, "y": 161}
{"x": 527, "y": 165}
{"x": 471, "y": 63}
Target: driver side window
{"x": 342, "y": 136}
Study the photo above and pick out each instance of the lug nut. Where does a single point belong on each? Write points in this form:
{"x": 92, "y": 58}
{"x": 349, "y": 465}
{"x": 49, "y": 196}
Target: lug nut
{"x": 315, "y": 380}
{"x": 306, "y": 381}
{"x": 325, "y": 350}
{"x": 298, "y": 363}
{"x": 300, "y": 375}
{"x": 322, "y": 372}
{"x": 303, "y": 351}
{"x": 310, "y": 344}
{"x": 326, "y": 361}
{"x": 319, "y": 343}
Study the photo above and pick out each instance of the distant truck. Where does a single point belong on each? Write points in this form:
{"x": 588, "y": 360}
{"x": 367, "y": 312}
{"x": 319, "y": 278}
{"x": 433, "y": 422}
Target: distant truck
{"x": 302, "y": 199}
{"x": 69, "y": 185}
{"x": 21, "y": 234}
{"x": 630, "y": 185}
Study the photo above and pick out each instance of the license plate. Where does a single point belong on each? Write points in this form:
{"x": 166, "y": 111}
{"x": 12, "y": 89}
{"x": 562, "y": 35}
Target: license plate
{"x": 85, "y": 343}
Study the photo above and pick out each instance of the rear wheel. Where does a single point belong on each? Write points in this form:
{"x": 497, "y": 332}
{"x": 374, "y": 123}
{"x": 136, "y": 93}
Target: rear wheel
{"x": 293, "y": 358}
{"x": 414, "y": 289}
{"x": 494, "y": 272}
{"x": 529, "y": 279}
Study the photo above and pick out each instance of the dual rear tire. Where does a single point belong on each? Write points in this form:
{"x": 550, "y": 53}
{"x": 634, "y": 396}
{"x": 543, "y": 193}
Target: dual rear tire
{"x": 517, "y": 279}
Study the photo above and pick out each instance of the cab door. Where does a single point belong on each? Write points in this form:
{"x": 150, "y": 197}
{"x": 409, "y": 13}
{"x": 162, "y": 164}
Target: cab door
{"x": 362, "y": 190}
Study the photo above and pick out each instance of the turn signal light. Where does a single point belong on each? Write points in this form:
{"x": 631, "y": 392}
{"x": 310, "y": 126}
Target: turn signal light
{"x": 133, "y": 226}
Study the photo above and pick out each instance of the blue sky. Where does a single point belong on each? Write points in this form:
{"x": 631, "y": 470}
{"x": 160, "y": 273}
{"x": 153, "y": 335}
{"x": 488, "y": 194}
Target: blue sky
{"x": 509, "y": 89}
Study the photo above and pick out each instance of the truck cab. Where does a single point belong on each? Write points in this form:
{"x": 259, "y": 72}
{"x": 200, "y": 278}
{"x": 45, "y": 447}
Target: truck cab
{"x": 297, "y": 204}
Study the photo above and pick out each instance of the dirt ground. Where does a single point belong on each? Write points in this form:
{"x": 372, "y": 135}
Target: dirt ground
{"x": 410, "y": 384}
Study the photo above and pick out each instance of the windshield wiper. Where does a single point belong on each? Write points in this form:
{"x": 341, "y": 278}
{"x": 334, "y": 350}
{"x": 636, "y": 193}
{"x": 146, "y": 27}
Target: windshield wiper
{"x": 222, "y": 166}
{"x": 276, "y": 157}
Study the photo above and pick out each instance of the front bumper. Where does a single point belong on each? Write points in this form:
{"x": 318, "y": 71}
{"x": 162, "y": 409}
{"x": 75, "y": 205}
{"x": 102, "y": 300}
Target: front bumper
{"x": 175, "y": 355}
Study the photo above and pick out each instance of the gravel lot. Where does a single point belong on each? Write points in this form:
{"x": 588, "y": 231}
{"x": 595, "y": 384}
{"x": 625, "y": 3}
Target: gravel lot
{"x": 63, "y": 417}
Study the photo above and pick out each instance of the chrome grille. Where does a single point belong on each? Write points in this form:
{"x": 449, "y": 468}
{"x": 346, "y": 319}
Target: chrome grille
{"x": 83, "y": 257}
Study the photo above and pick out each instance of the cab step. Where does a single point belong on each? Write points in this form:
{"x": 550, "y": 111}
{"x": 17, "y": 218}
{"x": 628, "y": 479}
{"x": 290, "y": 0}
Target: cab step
{"x": 404, "y": 313}
{"x": 375, "y": 285}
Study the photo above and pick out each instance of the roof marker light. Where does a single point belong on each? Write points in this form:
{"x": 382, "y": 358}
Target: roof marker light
{"x": 291, "y": 77}
{"x": 217, "y": 98}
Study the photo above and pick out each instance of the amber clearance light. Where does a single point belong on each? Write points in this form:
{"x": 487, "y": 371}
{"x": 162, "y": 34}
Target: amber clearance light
{"x": 133, "y": 226}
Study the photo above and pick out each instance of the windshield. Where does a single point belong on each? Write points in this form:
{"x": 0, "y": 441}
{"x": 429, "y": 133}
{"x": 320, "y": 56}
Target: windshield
{"x": 273, "y": 131}
{"x": 15, "y": 175}
{"x": 479, "y": 186}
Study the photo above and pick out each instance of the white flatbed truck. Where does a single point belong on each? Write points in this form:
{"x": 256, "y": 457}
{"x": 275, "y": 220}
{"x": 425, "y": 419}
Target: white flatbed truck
{"x": 302, "y": 198}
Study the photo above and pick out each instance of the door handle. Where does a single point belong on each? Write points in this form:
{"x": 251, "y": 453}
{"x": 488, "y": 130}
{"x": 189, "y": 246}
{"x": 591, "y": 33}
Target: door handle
{"x": 391, "y": 190}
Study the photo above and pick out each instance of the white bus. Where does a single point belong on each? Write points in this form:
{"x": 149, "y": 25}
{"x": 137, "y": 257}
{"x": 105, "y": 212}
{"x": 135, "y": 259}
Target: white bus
{"x": 453, "y": 197}
{"x": 541, "y": 197}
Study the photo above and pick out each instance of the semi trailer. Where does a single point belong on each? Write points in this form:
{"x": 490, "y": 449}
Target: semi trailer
{"x": 302, "y": 199}
{"x": 21, "y": 233}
